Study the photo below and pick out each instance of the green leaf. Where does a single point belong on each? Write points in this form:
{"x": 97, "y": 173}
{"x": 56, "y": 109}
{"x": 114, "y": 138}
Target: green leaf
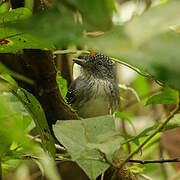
{"x": 62, "y": 32}
{"x": 90, "y": 163}
{"x": 12, "y": 39}
{"x": 17, "y": 41}
{"x": 88, "y": 141}
{"x": 12, "y": 127}
{"x": 49, "y": 166}
{"x": 4, "y": 6}
{"x": 15, "y": 15}
{"x": 168, "y": 96}
{"x": 5, "y": 70}
{"x": 34, "y": 108}
{"x": 58, "y": 26}
{"x": 141, "y": 85}
{"x": 144, "y": 133}
{"x": 62, "y": 83}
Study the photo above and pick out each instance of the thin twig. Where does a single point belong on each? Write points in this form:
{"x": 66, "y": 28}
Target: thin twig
{"x": 142, "y": 73}
{"x": 68, "y": 51}
{"x": 150, "y": 137}
{"x": 32, "y": 157}
{"x": 131, "y": 67}
{"x": 38, "y": 140}
{"x": 161, "y": 161}
{"x": 144, "y": 177}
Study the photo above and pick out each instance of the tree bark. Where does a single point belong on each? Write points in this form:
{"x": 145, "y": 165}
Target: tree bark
{"x": 38, "y": 66}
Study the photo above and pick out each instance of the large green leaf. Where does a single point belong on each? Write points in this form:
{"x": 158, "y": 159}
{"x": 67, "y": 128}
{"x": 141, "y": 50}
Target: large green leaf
{"x": 53, "y": 27}
{"x": 34, "y": 108}
{"x": 88, "y": 141}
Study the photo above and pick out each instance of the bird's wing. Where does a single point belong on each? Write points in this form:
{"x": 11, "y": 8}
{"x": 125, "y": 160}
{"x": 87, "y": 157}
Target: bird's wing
{"x": 72, "y": 93}
{"x": 75, "y": 92}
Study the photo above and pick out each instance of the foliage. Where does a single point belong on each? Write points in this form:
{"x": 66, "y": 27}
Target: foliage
{"x": 16, "y": 40}
{"x": 96, "y": 140}
{"x": 149, "y": 44}
{"x": 168, "y": 96}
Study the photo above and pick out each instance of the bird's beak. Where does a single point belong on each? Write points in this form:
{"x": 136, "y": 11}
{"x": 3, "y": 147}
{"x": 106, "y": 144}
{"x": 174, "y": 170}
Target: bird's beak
{"x": 81, "y": 62}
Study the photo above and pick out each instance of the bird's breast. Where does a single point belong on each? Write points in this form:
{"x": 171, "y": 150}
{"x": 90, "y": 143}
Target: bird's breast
{"x": 99, "y": 102}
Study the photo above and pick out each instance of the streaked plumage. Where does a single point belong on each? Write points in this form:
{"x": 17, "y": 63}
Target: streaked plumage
{"x": 95, "y": 91}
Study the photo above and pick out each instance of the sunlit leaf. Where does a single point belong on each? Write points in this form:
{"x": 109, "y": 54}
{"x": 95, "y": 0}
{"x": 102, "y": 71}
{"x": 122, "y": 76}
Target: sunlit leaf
{"x": 141, "y": 85}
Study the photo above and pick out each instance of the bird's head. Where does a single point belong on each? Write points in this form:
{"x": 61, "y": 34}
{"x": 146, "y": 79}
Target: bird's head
{"x": 97, "y": 65}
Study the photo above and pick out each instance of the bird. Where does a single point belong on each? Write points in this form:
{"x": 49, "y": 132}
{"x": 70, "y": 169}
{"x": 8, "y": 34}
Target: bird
{"x": 95, "y": 91}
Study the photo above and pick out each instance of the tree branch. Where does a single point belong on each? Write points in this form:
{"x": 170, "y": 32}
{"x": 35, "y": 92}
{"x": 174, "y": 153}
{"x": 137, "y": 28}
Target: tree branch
{"x": 38, "y": 65}
{"x": 149, "y": 137}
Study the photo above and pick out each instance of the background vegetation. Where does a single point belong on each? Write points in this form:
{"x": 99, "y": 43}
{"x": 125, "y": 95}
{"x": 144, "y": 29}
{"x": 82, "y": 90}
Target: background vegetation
{"x": 38, "y": 39}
